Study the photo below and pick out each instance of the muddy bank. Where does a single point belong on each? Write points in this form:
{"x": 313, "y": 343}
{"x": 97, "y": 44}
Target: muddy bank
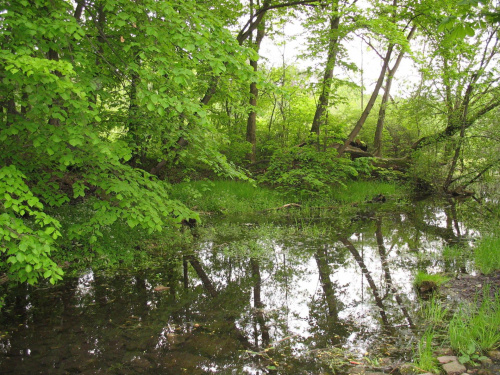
{"x": 471, "y": 288}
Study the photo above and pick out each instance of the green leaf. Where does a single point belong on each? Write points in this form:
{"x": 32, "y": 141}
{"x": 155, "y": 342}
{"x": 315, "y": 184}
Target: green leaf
{"x": 469, "y": 30}
{"x": 464, "y": 358}
{"x": 49, "y": 230}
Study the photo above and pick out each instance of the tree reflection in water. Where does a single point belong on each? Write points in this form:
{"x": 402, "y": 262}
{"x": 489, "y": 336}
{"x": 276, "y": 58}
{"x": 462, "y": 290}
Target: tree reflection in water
{"x": 269, "y": 295}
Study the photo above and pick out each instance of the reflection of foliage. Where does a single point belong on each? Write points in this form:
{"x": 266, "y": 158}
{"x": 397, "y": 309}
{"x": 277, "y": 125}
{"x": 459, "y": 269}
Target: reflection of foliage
{"x": 337, "y": 359}
{"x": 433, "y": 312}
{"x": 227, "y": 197}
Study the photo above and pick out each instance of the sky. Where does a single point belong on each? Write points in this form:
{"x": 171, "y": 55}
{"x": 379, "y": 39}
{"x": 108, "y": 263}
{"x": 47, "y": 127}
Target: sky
{"x": 358, "y": 52}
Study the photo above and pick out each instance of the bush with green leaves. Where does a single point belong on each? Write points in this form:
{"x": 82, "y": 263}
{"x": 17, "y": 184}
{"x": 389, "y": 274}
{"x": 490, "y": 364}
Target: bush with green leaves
{"x": 306, "y": 171}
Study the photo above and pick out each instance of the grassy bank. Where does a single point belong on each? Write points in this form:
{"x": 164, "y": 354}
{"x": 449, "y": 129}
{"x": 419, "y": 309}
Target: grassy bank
{"x": 469, "y": 329}
{"x": 237, "y": 197}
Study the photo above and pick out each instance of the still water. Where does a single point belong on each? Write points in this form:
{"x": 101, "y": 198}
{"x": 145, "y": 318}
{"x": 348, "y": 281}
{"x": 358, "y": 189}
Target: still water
{"x": 250, "y": 296}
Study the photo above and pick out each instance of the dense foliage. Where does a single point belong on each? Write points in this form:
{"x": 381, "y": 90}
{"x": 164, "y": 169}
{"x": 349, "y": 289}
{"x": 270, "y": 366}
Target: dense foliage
{"x": 106, "y": 103}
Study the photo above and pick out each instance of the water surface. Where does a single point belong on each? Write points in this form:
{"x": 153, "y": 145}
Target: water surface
{"x": 251, "y": 296}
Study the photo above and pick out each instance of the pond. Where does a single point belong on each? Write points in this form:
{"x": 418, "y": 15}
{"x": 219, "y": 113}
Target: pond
{"x": 252, "y": 295}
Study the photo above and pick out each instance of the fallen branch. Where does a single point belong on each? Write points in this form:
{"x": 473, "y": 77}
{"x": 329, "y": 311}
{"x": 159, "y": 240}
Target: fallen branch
{"x": 289, "y": 205}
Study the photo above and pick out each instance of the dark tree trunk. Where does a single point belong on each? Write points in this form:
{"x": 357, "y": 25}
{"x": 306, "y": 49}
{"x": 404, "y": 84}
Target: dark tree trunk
{"x": 207, "y": 283}
{"x": 251, "y": 135}
{"x": 326, "y": 284}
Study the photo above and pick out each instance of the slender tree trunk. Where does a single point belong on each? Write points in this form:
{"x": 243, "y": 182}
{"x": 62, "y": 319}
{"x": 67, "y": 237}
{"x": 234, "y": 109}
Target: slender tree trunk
{"x": 377, "y": 142}
{"x": 80, "y": 4}
{"x": 133, "y": 118}
{"x": 370, "y": 103}
{"x": 327, "y": 77}
{"x": 185, "y": 275}
{"x": 271, "y": 119}
{"x": 54, "y": 55}
{"x": 458, "y": 149}
{"x": 251, "y": 135}
{"x": 387, "y": 273}
{"x": 207, "y": 283}
{"x": 11, "y": 112}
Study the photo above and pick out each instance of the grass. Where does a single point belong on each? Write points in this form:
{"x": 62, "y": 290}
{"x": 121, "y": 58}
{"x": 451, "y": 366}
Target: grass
{"x": 226, "y": 196}
{"x": 422, "y": 277}
{"x": 362, "y": 191}
{"x": 487, "y": 254}
{"x": 426, "y": 361}
{"x": 434, "y": 312}
{"x": 474, "y": 327}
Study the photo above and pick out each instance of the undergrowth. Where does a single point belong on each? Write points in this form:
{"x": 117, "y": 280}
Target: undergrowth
{"x": 226, "y": 196}
{"x": 487, "y": 254}
{"x": 238, "y": 197}
{"x": 361, "y": 191}
{"x": 474, "y": 327}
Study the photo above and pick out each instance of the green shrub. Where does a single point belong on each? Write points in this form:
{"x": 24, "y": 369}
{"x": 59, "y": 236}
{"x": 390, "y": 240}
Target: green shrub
{"x": 304, "y": 171}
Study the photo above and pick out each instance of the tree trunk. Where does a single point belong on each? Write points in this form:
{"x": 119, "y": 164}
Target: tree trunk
{"x": 387, "y": 273}
{"x": 207, "y": 283}
{"x": 327, "y": 78}
{"x": 326, "y": 284}
{"x": 370, "y": 103}
{"x": 456, "y": 155}
{"x": 251, "y": 135}
{"x": 377, "y": 142}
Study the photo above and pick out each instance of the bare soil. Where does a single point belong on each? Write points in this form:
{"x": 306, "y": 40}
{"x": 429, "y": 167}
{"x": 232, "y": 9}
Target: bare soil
{"x": 471, "y": 287}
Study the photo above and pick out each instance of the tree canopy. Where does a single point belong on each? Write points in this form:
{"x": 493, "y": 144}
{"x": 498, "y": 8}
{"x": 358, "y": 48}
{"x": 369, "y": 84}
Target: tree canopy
{"x": 108, "y": 102}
